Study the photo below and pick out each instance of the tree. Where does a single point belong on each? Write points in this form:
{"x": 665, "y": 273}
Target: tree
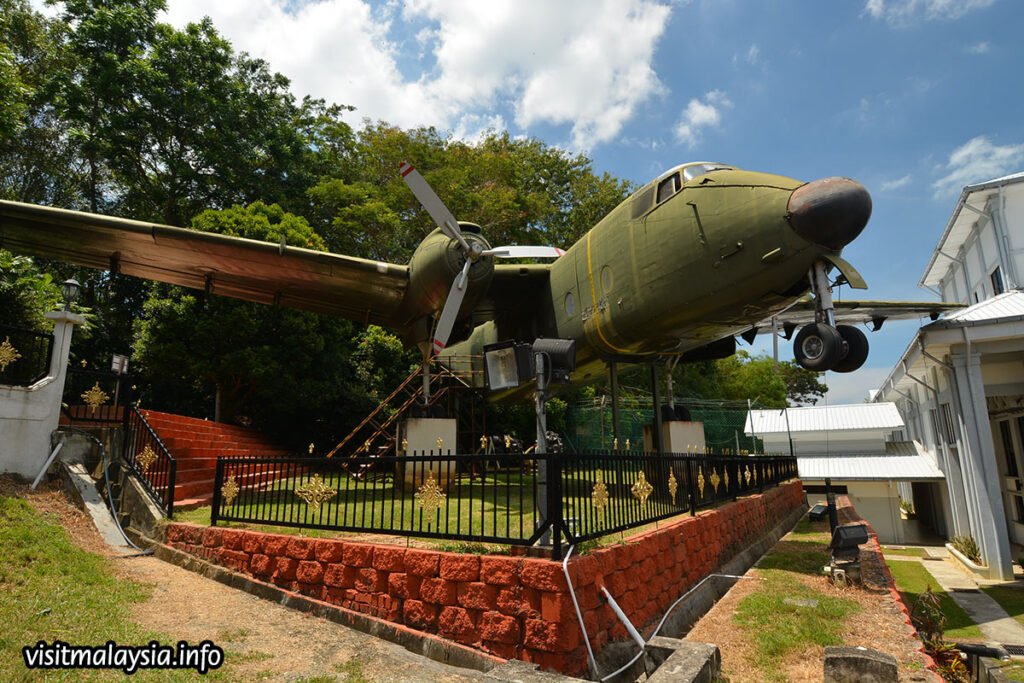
{"x": 742, "y": 376}
{"x": 289, "y": 372}
{"x": 26, "y": 292}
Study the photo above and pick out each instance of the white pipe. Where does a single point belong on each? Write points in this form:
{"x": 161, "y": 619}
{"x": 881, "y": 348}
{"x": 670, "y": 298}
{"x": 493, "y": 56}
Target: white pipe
{"x": 624, "y": 619}
{"x": 579, "y": 615}
{"x": 49, "y": 461}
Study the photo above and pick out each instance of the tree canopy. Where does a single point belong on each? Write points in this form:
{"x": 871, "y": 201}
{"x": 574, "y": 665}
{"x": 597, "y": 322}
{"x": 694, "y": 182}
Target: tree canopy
{"x": 108, "y": 109}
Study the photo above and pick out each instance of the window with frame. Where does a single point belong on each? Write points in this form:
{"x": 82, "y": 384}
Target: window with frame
{"x": 1009, "y": 452}
{"x": 997, "y": 282}
{"x": 668, "y": 187}
{"x": 947, "y": 423}
{"x": 936, "y": 432}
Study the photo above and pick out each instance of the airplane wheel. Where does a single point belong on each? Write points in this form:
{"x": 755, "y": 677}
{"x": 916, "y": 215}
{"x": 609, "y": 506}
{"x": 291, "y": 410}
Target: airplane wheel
{"x": 818, "y": 347}
{"x": 857, "y": 343}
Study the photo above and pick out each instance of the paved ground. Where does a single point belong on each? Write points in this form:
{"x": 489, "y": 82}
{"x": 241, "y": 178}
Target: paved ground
{"x": 994, "y": 622}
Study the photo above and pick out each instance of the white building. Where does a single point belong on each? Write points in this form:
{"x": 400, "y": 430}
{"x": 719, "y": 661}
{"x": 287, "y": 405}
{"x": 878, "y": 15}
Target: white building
{"x": 960, "y": 383}
{"x": 861, "y": 449}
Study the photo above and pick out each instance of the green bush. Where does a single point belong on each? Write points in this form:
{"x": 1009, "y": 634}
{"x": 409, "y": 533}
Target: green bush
{"x": 968, "y": 547}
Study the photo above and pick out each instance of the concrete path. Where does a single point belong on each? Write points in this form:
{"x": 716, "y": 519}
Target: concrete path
{"x": 994, "y": 622}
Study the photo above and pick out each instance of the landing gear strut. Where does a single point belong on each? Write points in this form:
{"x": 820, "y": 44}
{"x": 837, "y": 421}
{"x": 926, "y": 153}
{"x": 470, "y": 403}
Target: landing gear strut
{"x": 823, "y": 345}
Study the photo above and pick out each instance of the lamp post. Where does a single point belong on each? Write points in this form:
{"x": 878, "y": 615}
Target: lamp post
{"x": 71, "y": 291}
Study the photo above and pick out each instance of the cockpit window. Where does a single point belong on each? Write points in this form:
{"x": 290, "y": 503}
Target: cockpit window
{"x": 668, "y": 187}
{"x": 697, "y": 170}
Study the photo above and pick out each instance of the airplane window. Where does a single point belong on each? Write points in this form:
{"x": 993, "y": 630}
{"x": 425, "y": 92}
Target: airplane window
{"x": 697, "y": 170}
{"x": 606, "y": 279}
{"x": 570, "y": 304}
{"x": 668, "y": 187}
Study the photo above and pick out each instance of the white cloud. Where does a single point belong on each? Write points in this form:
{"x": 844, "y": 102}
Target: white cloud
{"x": 582, "y": 64}
{"x": 889, "y": 185}
{"x": 901, "y": 12}
{"x": 981, "y": 48}
{"x": 699, "y": 115}
{"x": 976, "y": 161}
{"x": 752, "y": 56}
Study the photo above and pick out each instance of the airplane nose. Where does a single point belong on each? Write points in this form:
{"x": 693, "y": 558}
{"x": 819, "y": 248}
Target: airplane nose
{"x": 830, "y": 212}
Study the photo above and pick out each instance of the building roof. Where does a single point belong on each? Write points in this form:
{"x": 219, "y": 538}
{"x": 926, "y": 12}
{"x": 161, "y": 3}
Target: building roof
{"x": 960, "y": 225}
{"x": 904, "y": 462}
{"x": 824, "y": 418}
{"x": 1000, "y": 308}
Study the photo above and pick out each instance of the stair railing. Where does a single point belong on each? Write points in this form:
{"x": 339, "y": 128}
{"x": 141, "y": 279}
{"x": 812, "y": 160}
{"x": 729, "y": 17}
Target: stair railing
{"x": 149, "y": 458}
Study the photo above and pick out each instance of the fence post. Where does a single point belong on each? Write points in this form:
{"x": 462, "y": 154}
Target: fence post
{"x": 691, "y": 484}
{"x": 218, "y": 481}
{"x": 170, "y": 489}
{"x": 554, "y": 470}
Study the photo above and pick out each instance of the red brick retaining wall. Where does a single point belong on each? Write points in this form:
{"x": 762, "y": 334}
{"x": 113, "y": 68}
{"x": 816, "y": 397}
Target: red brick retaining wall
{"x": 513, "y": 607}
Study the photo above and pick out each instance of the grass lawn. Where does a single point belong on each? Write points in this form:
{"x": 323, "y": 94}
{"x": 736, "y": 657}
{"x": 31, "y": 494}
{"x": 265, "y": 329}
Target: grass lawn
{"x": 1010, "y": 599}
{"x": 52, "y": 590}
{"x": 912, "y": 578}
{"x": 786, "y": 615}
{"x": 909, "y": 552}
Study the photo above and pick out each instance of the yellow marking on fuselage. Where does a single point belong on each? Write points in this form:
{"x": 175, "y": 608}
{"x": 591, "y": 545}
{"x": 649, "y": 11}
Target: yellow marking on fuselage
{"x": 597, "y": 317}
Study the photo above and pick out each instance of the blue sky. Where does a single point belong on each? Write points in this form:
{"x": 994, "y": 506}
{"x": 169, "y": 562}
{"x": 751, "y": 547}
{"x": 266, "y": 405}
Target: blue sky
{"x": 914, "y": 98}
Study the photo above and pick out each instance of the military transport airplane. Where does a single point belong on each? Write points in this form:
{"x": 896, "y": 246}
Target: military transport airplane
{"x": 699, "y": 255}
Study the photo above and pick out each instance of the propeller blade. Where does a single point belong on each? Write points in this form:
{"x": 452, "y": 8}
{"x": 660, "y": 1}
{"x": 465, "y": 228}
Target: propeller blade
{"x": 525, "y": 252}
{"x": 451, "y": 309}
{"x": 433, "y": 204}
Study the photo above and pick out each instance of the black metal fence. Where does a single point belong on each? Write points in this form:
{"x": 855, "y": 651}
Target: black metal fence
{"x": 511, "y": 501}
{"x": 149, "y": 458}
{"x": 96, "y": 395}
{"x": 24, "y": 356}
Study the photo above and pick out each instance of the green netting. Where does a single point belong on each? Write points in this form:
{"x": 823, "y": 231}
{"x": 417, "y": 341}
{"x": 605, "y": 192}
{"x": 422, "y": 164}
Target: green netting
{"x": 589, "y": 423}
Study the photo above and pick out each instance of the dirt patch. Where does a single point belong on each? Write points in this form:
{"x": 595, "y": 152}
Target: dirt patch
{"x": 878, "y": 625}
{"x": 261, "y": 640}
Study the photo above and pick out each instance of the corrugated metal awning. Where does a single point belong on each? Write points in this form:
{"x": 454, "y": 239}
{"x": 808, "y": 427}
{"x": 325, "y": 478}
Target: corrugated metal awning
{"x": 869, "y": 468}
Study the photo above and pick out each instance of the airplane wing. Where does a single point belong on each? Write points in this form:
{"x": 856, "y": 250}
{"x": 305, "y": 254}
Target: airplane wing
{"x": 278, "y": 274}
{"x": 854, "y": 312}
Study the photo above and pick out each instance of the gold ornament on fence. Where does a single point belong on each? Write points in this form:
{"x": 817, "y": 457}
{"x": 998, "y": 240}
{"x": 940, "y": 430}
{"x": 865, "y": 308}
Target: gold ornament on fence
{"x": 405, "y": 445}
{"x": 627, "y": 444}
{"x": 8, "y": 354}
{"x": 700, "y": 480}
{"x": 641, "y": 489}
{"x": 508, "y": 441}
{"x": 229, "y": 491}
{"x": 599, "y": 496}
{"x": 746, "y": 475}
{"x": 315, "y": 492}
{"x": 440, "y": 444}
{"x": 673, "y": 485}
{"x": 755, "y": 475}
{"x": 95, "y": 397}
{"x": 725, "y": 471}
{"x": 429, "y": 497}
{"x": 615, "y": 443}
{"x": 146, "y": 457}
{"x": 483, "y": 442}
{"x": 311, "y": 448}
{"x": 715, "y": 479}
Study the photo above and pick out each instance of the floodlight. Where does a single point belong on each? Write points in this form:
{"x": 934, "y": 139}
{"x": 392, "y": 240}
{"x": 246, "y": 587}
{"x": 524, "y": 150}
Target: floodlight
{"x": 507, "y": 364}
{"x": 560, "y": 357}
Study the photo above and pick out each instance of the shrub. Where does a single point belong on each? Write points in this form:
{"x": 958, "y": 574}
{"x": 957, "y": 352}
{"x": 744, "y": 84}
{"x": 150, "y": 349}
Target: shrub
{"x": 968, "y": 547}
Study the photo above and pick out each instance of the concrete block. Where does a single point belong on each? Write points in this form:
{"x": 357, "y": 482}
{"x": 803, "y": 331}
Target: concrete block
{"x": 859, "y": 665}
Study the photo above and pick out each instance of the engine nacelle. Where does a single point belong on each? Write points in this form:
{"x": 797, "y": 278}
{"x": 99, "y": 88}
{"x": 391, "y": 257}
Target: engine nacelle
{"x": 436, "y": 263}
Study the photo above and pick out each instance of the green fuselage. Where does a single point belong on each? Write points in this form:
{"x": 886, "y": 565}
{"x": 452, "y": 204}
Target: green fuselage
{"x": 663, "y": 278}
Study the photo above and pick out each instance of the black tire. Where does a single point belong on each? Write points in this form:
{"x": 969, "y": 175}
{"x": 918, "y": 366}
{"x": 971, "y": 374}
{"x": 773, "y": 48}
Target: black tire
{"x": 818, "y": 347}
{"x": 857, "y": 343}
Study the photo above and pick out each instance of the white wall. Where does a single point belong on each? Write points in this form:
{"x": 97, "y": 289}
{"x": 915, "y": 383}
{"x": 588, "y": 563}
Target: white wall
{"x": 28, "y": 415}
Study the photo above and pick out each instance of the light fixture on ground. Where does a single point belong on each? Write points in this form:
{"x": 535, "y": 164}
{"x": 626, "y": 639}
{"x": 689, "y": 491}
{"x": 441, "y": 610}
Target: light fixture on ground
{"x": 509, "y": 364}
{"x": 70, "y": 290}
